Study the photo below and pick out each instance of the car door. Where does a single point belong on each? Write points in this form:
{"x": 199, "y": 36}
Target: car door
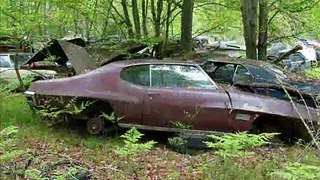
{"x": 183, "y": 96}
{"x": 134, "y": 81}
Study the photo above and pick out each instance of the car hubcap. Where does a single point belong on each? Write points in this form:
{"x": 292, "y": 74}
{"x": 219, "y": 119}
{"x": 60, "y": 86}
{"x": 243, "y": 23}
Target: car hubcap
{"x": 95, "y": 126}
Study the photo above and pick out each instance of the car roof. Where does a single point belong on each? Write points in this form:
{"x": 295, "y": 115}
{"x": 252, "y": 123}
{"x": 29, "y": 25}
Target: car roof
{"x": 240, "y": 61}
{"x": 133, "y": 62}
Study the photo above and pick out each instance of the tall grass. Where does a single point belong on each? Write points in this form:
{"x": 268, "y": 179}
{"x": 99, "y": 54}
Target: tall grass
{"x": 14, "y": 110}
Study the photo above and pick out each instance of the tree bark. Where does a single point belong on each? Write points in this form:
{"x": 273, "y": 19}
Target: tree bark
{"x": 169, "y": 3}
{"x": 263, "y": 30}
{"x": 144, "y": 17}
{"x": 249, "y": 19}
{"x": 45, "y": 17}
{"x": 127, "y": 18}
{"x": 136, "y": 18}
{"x": 156, "y": 16}
{"x": 186, "y": 25}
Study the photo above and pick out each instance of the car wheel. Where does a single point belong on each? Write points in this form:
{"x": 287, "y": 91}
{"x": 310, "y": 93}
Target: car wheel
{"x": 95, "y": 126}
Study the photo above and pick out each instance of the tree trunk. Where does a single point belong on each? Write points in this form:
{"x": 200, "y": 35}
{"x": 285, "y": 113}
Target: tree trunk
{"x": 136, "y": 18}
{"x": 186, "y": 25}
{"x": 156, "y": 16}
{"x": 263, "y": 30}
{"x": 249, "y": 19}
{"x": 16, "y": 68}
{"x": 127, "y": 18}
{"x": 106, "y": 21}
{"x": 168, "y": 18}
{"x": 144, "y": 17}
{"x": 45, "y": 19}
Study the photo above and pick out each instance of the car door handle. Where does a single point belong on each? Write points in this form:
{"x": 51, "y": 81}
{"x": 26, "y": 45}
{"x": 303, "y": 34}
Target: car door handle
{"x": 153, "y": 94}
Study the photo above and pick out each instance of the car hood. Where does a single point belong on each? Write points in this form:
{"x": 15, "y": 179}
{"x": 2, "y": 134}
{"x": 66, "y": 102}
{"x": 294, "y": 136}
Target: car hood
{"x": 66, "y": 51}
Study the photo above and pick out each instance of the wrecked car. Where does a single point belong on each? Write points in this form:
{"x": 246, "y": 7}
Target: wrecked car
{"x": 7, "y": 68}
{"x": 66, "y": 57}
{"x": 156, "y": 95}
{"x": 259, "y": 77}
{"x": 293, "y": 58}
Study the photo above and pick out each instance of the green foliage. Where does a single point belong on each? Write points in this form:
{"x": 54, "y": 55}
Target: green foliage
{"x": 181, "y": 125}
{"x": 70, "y": 174}
{"x": 50, "y": 58}
{"x": 313, "y": 73}
{"x": 8, "y": 143}
{"x": 132, "y": 145}
{"x": 112, "y": 117}
{"x": 295, "y": 171}
{"x": 33, "y": 174}
{"x": 55, "y": 109}
{"x": 237, "y": 144}
{"x": 7, "y": 87}
{"x": 178, "y": 143}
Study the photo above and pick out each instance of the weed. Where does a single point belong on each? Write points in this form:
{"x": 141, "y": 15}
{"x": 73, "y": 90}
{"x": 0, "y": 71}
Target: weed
{"x": 178, "y": 143}
{"x": 237, "y": 144}
{"x": 295, "y": 171}
{"x": 132, "y": 145}
{"x": 113, "y": 119}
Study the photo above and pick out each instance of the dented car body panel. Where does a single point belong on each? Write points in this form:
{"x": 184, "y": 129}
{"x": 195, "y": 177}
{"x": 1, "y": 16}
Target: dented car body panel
{"x": 208, "y": 107}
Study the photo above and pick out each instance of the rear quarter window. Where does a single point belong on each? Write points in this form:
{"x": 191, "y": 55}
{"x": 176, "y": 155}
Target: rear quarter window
{"x": 138, "y": 75}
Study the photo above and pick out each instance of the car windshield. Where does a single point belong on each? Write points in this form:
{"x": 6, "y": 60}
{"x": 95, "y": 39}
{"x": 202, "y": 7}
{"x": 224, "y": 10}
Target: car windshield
{"x": 5, "y": 61}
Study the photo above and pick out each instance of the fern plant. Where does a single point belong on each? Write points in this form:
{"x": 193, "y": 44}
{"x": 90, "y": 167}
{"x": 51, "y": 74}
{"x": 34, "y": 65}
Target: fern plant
{"x": 238, "y": 144}
{"x": 132, "y": 144}
{"x": 54, "y": 110}
{"x": 114, "y": 119}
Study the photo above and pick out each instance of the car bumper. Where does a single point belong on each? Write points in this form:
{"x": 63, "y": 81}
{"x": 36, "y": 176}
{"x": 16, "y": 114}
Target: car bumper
{"x": 31, "y": 99}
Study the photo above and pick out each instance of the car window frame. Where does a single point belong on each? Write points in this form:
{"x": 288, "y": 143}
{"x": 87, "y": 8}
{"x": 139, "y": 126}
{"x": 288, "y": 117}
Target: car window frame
{"x": 225, "y": 64}
{"x": 131, "y": 83}
{"x": 235, "y": 71}
{"x": 215, "y": 87}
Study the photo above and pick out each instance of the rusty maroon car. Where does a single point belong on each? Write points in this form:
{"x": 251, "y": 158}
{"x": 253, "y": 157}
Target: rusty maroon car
{"x": 156, "y": 95}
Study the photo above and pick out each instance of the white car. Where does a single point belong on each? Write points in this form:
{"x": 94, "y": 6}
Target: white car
{"x": 7, "y": 70}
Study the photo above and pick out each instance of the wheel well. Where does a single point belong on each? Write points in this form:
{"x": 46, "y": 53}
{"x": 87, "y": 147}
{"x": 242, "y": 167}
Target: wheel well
{"x": 96, "y": 108}
{"x": 289, "y": 128}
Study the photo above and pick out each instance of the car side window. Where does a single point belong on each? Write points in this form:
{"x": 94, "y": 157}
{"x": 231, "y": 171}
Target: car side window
{"x": 261, "y": 75}
{"x": 224, "y": 73}
{"x": 243, "y": 76}
{"x": 179, "y": 76}
{"x": 138, "y": 75}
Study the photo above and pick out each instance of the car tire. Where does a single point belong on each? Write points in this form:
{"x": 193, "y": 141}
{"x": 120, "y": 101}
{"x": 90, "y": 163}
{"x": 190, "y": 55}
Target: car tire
{"x": 95, "y": 126}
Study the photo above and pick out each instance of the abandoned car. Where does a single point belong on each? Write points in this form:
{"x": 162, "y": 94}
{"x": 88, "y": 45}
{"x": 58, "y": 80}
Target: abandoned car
{"x": 155, "y": 95}
{"x": 7, "y": 69}
{"x": 66, "y": 57}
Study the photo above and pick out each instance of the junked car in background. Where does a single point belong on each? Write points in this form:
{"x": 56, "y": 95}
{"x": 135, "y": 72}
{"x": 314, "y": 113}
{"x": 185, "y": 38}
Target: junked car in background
{"x": 7, "y": 68}
{"x": 67, "y": 57}
{"x": 155, "y": 95}
{"x": 304, "y": 58}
